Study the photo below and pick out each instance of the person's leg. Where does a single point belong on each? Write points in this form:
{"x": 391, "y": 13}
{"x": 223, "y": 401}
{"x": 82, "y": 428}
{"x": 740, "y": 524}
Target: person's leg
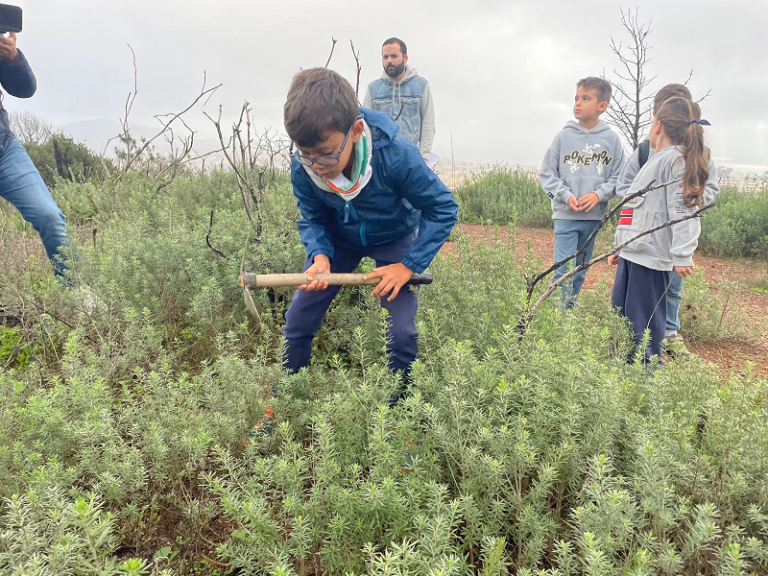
{"x": 307, "y": 310}
{"x": 674, "y": 297}
{"x": 22, "y": 185}
{"x": 658, "y": 285}
{"x": 585, "y": 229}
{"x": 645, "y": 304}
{"x": 402, "y": 337}
{"x": 619, "y": 294}
{"x": 566, "y": 242}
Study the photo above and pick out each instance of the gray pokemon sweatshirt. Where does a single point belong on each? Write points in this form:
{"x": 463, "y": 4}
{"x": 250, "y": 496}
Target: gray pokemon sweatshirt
{"x": 580, "y": 162}
{"x": 668, "y": 247}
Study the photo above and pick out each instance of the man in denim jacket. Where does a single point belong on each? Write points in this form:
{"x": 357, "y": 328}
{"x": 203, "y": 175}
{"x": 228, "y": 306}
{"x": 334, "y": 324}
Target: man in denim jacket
{"x": 405, "y": 96}
{"x": 20, "y": 182}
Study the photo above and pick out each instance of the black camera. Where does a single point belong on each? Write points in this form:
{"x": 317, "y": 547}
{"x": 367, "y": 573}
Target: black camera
{"x": 10, "y": 18}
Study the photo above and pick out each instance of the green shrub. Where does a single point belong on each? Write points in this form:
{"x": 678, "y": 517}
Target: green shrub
{"x": 120, "y": 429}
{"x": 713, "y": 311}
{"x": 737, "y": 226}
{"x": 504, "y": 196}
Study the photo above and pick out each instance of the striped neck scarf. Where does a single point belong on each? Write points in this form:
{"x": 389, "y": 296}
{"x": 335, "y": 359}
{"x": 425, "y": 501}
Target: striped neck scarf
{"x": 349, "y": 188}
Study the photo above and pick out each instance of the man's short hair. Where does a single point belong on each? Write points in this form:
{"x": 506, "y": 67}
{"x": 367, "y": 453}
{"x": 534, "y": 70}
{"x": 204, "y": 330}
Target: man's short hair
{"x": 670, "y": 91}
{"x": 601, "y": 86}
{"x": 393, "y": 40}
{"x": 319, "y": 101}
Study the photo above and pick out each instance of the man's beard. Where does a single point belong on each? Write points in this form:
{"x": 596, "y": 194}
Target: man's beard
{"x": 395, "y": 71}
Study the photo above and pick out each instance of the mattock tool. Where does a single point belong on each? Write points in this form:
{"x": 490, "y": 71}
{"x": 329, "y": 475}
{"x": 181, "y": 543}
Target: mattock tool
{"x": 251, "y": 280}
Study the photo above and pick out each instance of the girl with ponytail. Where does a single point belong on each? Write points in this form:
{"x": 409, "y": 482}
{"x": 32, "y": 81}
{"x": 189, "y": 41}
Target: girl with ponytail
{"x": 680, "y": 162}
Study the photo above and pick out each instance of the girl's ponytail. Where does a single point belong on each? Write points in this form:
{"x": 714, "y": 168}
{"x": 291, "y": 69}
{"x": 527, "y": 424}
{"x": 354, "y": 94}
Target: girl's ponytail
{"x": 682, "y": 123}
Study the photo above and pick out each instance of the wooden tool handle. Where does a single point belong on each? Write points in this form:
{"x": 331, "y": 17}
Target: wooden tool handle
{"x": 251, "y": 280}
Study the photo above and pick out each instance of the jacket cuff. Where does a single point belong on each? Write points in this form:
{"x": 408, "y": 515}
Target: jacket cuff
{"x": 329, "y": 253}
{"x": 411, "y": 265}
{"x": 682, "y": 261}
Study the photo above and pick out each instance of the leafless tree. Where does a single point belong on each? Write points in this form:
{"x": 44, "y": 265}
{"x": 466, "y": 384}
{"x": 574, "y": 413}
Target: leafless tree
{"x": 30, "y": 129}
{"x": 242, "y": 156}
{"x": 631, "y": 103}
{"x": 631, "y": 106}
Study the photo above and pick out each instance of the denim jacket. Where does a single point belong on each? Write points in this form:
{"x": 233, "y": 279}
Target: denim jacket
{"x": 410, "y": 103}
{"x": 402, "y": 196}
{"x": 18, "y": 80}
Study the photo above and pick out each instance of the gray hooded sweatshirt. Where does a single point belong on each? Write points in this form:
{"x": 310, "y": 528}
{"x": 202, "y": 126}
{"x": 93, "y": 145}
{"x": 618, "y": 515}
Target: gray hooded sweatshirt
{"x": 670, "y": 246}
{"x": 409, "y": 103}
{"x": 580, "y": 162}
{"x": 632, "y": 166}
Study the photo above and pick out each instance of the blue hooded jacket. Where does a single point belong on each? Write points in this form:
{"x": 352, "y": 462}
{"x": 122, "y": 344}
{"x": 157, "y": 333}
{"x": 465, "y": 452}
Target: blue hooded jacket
{"x": 402, "y": 196}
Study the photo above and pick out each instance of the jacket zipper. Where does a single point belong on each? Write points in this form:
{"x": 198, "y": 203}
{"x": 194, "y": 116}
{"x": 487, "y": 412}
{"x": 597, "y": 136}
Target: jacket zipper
{"x": 349, "y": 211}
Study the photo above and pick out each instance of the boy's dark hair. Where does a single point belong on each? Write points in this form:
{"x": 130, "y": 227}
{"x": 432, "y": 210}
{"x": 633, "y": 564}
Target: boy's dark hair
{"x": 393, "y": 40}
{"x": 319, "y": 101}
{"x": 670, "y": 91}
{"x": 603, "y": 87}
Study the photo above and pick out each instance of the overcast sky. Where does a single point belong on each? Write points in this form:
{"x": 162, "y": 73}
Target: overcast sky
{"x": 502, "y": 72}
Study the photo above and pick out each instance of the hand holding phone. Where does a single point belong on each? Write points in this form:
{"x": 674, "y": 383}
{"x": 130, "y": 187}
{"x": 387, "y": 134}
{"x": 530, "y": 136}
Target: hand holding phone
{"x": 8, "y": 49}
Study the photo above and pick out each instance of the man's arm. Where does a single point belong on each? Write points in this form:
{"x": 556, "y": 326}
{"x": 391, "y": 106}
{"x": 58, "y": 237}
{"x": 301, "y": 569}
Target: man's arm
{"x": 427, "y": 123}
{"x": 16, "y": 76}
{"x": 368, "y": 100}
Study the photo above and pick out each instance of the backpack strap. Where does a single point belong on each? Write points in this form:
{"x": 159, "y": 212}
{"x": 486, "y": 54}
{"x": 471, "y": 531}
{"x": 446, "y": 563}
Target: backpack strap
{"x": 645, "y": 150}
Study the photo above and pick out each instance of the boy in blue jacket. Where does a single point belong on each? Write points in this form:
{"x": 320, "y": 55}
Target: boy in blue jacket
{"x": 361, "y": 192}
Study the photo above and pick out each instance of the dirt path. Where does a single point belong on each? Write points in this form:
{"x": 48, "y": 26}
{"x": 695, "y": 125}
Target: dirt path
{"x": 728, "y": 355}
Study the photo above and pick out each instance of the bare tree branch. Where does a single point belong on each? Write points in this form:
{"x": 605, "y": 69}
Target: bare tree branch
{"x": 555, "y": 285}
{"x": 628, "y": 198}
{"x": 331, "y": 54}
{"x": 216, "y": 251}
{"x": 358, "y": 67}
{"x": 166, "y": 125}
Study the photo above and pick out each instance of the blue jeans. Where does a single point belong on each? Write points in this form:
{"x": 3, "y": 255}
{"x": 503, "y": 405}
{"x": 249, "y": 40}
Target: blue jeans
{"x": 307, "y": 310}
{"x": 674, "y": 296}
{"x": 22, "y": 185}
{"x": 570, "y": 236}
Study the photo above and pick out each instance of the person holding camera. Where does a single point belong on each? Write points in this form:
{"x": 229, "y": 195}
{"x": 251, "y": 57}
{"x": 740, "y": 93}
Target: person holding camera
{"x": 20, "y": 182}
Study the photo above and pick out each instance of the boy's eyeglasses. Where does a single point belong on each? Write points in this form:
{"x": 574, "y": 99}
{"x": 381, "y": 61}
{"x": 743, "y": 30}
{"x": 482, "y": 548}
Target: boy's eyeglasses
{"x": 325, "y": 159}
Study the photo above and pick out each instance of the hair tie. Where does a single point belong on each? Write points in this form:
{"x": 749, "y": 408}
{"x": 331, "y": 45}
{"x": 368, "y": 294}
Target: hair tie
{"x": 701, "y": 122}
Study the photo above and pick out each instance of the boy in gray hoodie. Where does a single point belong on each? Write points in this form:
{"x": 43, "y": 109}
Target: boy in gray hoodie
{"x": 579, "y": 174}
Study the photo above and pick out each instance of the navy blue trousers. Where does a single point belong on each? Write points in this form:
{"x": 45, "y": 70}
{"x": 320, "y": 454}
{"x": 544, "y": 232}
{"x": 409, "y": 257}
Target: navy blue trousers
{"x": 307, "y": 310}
{"x": 641, "y": 295}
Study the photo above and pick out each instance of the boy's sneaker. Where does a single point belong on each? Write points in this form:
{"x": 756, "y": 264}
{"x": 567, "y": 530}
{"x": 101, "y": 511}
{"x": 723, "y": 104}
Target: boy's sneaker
{"x": 674, "y": 347}
{"x": 261, "y": 433}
